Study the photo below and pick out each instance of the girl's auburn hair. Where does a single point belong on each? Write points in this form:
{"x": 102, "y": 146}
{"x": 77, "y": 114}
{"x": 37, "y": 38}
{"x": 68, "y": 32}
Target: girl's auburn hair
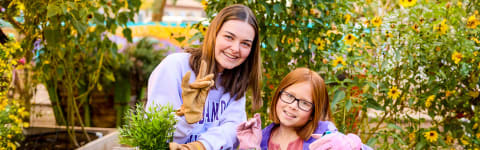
{"x": 247, "y": 75}
{"x": 321, "y": 104}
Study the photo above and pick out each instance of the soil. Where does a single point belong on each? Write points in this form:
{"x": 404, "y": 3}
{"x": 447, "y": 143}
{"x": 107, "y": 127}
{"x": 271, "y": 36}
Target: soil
{"x": 57, "y": 140}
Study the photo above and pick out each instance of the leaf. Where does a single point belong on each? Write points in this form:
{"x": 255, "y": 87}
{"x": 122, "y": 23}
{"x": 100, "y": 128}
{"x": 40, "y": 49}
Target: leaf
{"x": 122, "y": 18}
{"x": 53, "y": 10}
{"x": 394, "y": 126}
{"x": 195, "y": 37}
{"x": 372, "y": 141}
{"x": 99, "y": 86}
{"x": 110, "y": 76}
{"x": 371, "y": 103}
{"x": 398, "y": 138}
{"x": 348, "y": 105}
{"x": 180, "y": 39}
{"x": 79, "y": 26}
{"x": 277, "y": 8}
{"x": 421, "y": 144}
{"x": 52, "y": 36}
{"x": 339, "y": 95}
{"x": 272, "y": 42}
{"x": 373, "y": 85}
{"x": 127, "y": 33}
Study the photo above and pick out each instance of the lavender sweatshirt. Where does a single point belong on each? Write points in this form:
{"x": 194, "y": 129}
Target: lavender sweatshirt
{"x": 221, "y": 114}
{"x": 322, "y": 127}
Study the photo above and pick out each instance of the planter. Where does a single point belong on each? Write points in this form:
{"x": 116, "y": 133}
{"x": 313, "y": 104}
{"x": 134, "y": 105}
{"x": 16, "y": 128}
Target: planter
{"x": 56, "y": 137}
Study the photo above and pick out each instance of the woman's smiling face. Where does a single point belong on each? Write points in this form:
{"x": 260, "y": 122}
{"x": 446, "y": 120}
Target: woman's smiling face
{"x": 233, "y": 44}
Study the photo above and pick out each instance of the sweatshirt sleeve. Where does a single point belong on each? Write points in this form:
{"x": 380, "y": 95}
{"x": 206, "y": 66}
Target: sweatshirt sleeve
{"x": 224, "y": 136}
{"x": 164, "y": 84}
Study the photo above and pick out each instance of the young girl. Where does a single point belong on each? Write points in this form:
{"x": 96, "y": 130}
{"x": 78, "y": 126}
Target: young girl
{"x": 300, "y": 108}
{"x": 210, "y": 107}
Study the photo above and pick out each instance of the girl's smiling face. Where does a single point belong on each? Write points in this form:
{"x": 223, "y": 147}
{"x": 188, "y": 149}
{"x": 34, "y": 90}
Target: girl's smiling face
{"x": 290, "y": 115}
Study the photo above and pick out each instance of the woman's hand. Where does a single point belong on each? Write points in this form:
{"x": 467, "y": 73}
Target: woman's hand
{"x": 336, "y": 141}
{"x": 189, "y": 146}
{"x": 249, "y": 133}
{"x": 195, "y": 94}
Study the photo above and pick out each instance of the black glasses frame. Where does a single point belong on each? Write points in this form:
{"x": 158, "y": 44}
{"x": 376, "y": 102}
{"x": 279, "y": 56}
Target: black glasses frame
{"x": 295, "y": 99}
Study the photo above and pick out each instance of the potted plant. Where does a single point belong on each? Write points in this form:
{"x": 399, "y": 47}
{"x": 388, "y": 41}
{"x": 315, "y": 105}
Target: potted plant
{"x": 148, "y": 128}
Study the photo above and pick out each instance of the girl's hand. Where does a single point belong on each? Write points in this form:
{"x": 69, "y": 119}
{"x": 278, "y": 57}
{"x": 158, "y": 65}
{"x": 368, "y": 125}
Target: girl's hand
{"x": 336, "y": 141}
{"x": 249, "y": 133}
{"x": 195, "y": 94}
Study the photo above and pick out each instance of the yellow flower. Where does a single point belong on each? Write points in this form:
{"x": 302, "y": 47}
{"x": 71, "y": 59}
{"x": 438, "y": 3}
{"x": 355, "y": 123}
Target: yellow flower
{"x": 457, "y": 57}
{"x": 431, "y": 98}
{"x": 449, "y": 139}
{"x": 289, "y": 40}
{"x": 26, "y": 125}
{"x": 441, "y": 28}
{"x": 320, "y": 43}
{"x": 339, "y": 60}
{"x": 478, "y": 135}
{"x": 408, "y": 3}
{"x": 202, "y": 29}
{"x": 9, "y": 136}
{"x": 349, "y": 39}
{"x": 415, "y": 27}
{"x": 464, "y": 141}
{"x": 12, "y": 117}
{"x": 388, "y": 35}
{"x": 347, "y": 18}
{"x": 377, "y": 21}
{"x": 411, "y": 136}
{"x": 428, "y": 104}
{"x": 472, "y": 22}
{"x": 473, "y": 94}
{"x": 449, "y": 93}
{"x": 12, "y": 146}
{"x": 204, "y": 4}
{"x": 394, "y": 93}
{"x": 475, "y": 126}
{"x": 431, "y": 136}
{"x": 366, "y": 22}
{"x": 325, "y": 61}
{"x": 475, "y": 53}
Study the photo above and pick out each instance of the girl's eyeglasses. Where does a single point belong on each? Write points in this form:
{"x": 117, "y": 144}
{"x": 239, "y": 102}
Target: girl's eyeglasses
{"x": 289, "y": 98}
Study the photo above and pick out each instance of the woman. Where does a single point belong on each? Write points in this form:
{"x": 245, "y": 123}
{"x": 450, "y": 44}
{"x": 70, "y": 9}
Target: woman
{"x": 211, "y": 106}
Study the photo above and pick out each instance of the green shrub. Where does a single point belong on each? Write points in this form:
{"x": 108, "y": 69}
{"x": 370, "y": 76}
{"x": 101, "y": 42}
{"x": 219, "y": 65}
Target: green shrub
{"x": 150, "y": 128}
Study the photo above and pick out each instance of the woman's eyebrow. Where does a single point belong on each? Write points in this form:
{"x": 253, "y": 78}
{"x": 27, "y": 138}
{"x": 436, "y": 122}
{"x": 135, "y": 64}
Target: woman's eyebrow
{"x": 231, "y": 34}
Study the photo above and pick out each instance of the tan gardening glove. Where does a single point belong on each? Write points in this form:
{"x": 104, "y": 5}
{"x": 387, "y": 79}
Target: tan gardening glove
{"x": 189, "y": 146}
{"x": 195, "y": 94}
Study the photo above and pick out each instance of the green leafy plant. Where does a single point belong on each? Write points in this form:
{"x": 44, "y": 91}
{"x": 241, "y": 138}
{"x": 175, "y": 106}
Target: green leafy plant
{"x": 12, "y": 111}
{"x": 150, "y": 128}
{"x": 68, "y": 42}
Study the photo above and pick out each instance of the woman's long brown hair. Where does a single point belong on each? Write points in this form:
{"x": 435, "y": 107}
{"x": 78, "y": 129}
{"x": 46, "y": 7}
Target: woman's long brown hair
{"x": 235, "y": 81}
